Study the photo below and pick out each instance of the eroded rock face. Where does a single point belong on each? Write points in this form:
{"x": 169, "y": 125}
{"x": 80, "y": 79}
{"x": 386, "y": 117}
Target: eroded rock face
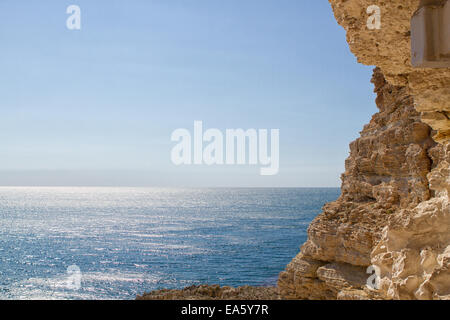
{"x": 394, "y": 211}
{"x": 387, "y": 171}
{"x": 414, "y": 251}
{"x": 213, "y": 292}
{"x": 389, "y": 48}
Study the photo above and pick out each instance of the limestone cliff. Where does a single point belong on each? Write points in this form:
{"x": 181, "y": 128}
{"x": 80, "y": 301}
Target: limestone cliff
{"x": 394, "y": 211}
{"x": 389, "y": 48}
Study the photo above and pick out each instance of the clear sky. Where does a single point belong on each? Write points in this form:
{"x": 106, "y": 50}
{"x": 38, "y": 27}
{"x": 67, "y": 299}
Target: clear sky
{"x": 97, "y": 106}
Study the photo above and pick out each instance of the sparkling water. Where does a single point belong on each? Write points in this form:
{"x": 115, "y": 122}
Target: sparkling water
{"x": 126, "y": 241}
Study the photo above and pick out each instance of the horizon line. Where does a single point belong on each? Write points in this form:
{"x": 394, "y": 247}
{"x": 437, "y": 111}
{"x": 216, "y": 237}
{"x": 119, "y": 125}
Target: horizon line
{"x": 165, "y": 187}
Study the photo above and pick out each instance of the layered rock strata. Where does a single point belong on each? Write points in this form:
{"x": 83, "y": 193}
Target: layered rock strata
{"x": 394, "y": 211}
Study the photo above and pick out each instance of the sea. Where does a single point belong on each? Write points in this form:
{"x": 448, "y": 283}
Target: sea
{"x": 115, "y": 243}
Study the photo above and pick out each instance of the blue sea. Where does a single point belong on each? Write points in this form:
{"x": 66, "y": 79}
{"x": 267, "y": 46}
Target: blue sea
{"x": 126, "y": 241}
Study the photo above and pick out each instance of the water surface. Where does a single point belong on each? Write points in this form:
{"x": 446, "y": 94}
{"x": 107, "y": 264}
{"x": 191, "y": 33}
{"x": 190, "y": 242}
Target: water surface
{"x": 129, "y": 240}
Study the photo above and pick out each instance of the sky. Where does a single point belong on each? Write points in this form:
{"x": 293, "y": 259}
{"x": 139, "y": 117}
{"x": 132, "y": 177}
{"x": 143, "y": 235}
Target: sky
{"x": 97, "y": 106}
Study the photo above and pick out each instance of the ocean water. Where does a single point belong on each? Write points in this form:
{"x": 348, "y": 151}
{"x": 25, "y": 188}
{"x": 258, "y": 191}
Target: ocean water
{"x": 129, "y": 240}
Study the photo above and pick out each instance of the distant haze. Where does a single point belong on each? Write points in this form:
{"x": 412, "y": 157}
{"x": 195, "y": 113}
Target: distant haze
{"x": 97, "y": 106}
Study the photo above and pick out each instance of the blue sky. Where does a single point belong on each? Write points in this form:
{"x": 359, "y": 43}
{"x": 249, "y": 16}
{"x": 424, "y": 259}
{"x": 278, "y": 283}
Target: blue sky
{"x": 97, "y": 106}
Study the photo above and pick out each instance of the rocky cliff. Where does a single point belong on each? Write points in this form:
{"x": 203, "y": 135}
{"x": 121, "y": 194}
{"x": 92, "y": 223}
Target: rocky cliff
{"x": 213, "y": 292}
{"x": 393, "y": 215}
{"x": 394, "y": 212}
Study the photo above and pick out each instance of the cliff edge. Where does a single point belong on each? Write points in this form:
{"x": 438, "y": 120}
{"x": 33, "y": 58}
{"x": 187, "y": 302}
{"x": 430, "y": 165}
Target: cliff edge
{"x": 393, "y": 214}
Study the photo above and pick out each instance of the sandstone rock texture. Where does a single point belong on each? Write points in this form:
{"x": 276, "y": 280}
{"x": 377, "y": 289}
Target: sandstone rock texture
{"x": 214, "y": 292}
{"x": 389, "y": 48}
{"x": 394, "y": 211}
